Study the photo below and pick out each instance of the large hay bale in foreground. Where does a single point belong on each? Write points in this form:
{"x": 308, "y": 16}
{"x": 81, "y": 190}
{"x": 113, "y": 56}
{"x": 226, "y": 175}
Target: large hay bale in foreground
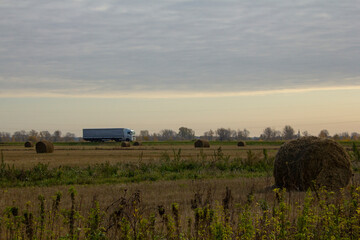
{"x": 44, "y": 147}
{"x": 137, "y": 143}
{"x": 241, "y": 144}
{"x": 311, "y": 162}
{"x": 125, "y": 144}
{"x": 29, "y": 144}
{"x": 201, "y": 143}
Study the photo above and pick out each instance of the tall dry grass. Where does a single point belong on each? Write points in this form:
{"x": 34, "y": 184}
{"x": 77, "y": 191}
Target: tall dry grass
{"x": 182, "y": 210}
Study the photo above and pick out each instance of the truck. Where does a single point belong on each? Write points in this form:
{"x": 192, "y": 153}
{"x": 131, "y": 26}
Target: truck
{"x": 106, "y": 134}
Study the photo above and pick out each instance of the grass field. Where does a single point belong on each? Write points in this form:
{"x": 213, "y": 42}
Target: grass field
{"x": 232, "y": 184}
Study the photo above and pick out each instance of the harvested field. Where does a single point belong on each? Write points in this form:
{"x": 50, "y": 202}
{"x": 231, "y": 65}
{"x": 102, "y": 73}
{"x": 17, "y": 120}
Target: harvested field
{"x": 237, "y": 180}
{"x": 153, "y": 193}
{"x": 85, "y": 155}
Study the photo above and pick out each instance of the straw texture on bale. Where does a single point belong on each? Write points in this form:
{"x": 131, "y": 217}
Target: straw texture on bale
{"x": 44, "y": 147}
{"x": 311, "y": 162}
{"x": 125, "y": 144}
{"x": 241, "y": 144}
{"x": 28, "y": 144}
{"x": 200, "y": 143}
{"x": 137, "y": 143}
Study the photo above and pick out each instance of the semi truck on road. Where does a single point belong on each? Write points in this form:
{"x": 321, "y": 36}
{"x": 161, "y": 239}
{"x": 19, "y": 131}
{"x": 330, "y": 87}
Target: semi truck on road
{"x": 106, "y": 134}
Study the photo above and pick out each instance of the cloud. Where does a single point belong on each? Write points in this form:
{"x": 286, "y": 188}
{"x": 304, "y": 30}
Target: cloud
{"x": 177, "y": 46}
{"x": 52, "y": 88}
{"x": 102, "y": 8}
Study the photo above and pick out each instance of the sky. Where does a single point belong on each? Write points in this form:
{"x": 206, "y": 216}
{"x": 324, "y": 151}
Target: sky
{"x": 152, "y": 65}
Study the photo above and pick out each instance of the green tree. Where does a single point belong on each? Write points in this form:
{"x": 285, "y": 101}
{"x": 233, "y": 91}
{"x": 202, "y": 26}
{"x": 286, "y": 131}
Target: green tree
{"x": 288, "y": 133}
{"x": 168, "y": 134}
{"x": 223, "y": 134}
{"x": 186, "y": 133}
{"x": 324, "y": 133}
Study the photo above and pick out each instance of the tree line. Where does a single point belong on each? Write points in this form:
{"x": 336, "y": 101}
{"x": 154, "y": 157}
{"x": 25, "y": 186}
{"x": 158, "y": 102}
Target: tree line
{"x": 183, "y": 133}
{"x": 228, "y": 134}
{"x": 34, "y": 136}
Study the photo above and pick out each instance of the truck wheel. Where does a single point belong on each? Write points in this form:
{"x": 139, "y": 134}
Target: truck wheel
{"x": 128, "y": 140}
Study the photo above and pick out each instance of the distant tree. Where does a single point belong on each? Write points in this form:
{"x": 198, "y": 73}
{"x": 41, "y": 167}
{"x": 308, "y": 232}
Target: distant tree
{"x": 209, "y": 135}
{"x": 144, "y": 135}
{"x": 33, "y": 135}
{"x": 355, "y": 136}
{"x": 288, "y": 133}
{"x": 243, "y": 134}
{"x": 223, "y": 134}
{"x": 168, "y": 134}
{"x": 45, "y": 135}
{"x": 336, "y": 137}
{"x": 270, "y": 134}
{"x": 344, "y": 136}
{"x": 56, "y": 137}
{"x": 69, "y": 137}
{"x": 186, "y": 133}
{"x": 305, "y": 133}
{"x": 155, "y": 137}
{"x": 233, "y": 134}
{"x": 324, "y": 133}
{"x": 5, "y": 137}
{"x": 20, "y": 136}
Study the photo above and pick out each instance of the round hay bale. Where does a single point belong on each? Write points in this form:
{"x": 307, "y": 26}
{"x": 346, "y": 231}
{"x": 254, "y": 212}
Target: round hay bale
{"x": 28, "y": 144}
{"x": 241, "y": 144}
{"x": 200, "y": 143}
{"x": 125, "y": 144}
{"x": 311, "y": 162}
{"x": 137, "y": 143}
{"x": 44, "y": 147}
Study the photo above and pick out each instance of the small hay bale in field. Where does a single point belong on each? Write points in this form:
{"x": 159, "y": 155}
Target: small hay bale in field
{"x": 28, "y": 144}
{"x": 241, "y": 144}
{"x": 200, "y": 143}
{"x": 44, "y": 147}
{"x": 137, "y": 143}
{"x": 311, "y": 162}
{"x": 125, "y": 144}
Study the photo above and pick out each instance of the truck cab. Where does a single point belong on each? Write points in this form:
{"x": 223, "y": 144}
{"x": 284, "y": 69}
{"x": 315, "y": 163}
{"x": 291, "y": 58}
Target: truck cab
{"x": 130, "y": 135}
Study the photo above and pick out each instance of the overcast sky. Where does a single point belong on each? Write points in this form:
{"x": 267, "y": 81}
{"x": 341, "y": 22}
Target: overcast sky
{"x": 140, "y": 49}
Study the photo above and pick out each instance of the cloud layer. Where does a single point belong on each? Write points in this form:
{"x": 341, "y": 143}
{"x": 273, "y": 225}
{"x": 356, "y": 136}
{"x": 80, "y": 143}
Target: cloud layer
{"x": 81, "y": 47}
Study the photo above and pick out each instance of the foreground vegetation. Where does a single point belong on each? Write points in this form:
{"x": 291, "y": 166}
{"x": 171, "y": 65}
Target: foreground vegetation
{"x": 318, "y": 215}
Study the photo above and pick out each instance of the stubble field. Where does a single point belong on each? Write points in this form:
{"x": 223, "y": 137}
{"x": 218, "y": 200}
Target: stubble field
{"x": 87, "y": 155}
{"x": 153, "y": 192}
